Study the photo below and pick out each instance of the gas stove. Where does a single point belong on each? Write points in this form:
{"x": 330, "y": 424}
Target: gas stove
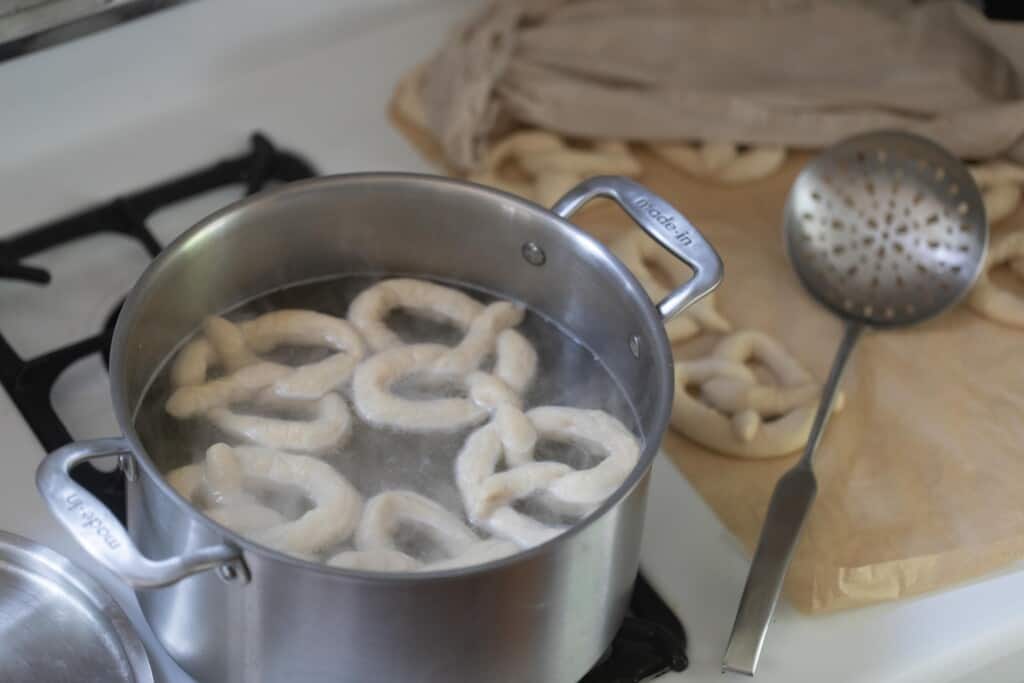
{"x": 50, "y": 271}
{"x": 128, "y": 107}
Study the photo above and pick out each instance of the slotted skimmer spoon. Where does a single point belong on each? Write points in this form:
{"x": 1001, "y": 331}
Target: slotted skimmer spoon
{"x": 884, "y": 229}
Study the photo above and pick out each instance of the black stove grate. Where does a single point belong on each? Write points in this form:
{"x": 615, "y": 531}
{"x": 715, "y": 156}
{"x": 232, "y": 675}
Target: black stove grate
{"x": 651, "y": 640}
{"x": 29, "y": 382}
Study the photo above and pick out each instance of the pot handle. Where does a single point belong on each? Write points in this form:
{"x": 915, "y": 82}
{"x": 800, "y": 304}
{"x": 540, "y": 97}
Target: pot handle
{"x": 97, "y": 529}
{"x": 662, "y": 222}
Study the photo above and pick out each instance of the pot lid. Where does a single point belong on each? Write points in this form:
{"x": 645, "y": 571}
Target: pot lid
{"x": 58, "y": 624}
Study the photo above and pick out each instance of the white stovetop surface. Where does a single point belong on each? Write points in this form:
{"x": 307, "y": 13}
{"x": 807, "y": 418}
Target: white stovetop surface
{"x": 136, "y": 104}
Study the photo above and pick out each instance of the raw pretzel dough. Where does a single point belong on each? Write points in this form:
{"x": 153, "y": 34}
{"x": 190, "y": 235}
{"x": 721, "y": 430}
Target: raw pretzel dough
{"x": 993, "y": 301}
{"x": 723, "y": 161}
{"x": 552, "y": 166}
{"x": 601, "y": 433}
{"x": 480, "y": 339}
{"x": 736, "y": 414}
{"x": 377, "y": 405}
{"x": 1000, "y": 183}
{"x": 437, "y": 302}
{"x": 487, "y": 329}
{"x": 331, "y": 427}
{"x": 386, "y": 512}
{"x": 516, "y": 361}
{"x": 642, "y": 255}
{"x": 197, "y": 399}
{"x": 236, "y": 346}
{"x": 517, "y": 434}
{"x": 336, "y": 504}
{"x": 375, "y": 561}
{"x": 488, "y": 495}
{"x": 246, "y": 518}
{"x": 371, "y": 393}
{"x": 220, "y": 476}
{"x": 484, "y": 327}
{"x": 476, "y": 462}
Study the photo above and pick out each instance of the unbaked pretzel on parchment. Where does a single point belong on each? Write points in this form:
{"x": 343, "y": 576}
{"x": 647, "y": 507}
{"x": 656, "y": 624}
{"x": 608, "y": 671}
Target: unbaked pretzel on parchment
{"x": 989, "y": 299}
{"x": 733, "y": 413}
{"x": 659, "y": 272}
{"x": 552, "y": 166}
{"x": 1001, "y": 184}
{"x": 224, "y": 479}
{"x": 723, "y": 162}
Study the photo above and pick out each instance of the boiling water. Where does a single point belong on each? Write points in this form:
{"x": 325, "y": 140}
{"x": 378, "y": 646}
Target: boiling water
{"x": 376, "y": 459}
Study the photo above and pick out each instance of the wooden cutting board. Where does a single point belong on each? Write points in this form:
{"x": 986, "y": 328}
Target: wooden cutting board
{"x": 921, "y": 475}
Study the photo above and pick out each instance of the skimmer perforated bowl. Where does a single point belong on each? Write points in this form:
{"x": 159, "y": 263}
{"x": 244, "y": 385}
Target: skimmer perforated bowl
{"x": 884, "y": 229}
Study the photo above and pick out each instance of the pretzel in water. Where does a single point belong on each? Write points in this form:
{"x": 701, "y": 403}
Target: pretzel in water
{"x": 486, "y": 329}
{"x": 552, "y": 166}
{"x": 238, "y": 345}
{"x": 652, "y": 265}
{"x": 224, "y": 476}
{"x": 1000, "y": 183}
{"x": 230, "y": 505}
{"x": 378, "y": 405}
{"x": 377, "y": 547}
{"x": 489, "y": 495}
{"x": 722, "y": 162}
{"x": 235, "y": 347}
{"x": 483, "y": 327}
{"x": 330, "y": 427}
{"x": 737, "y": 415}
{"x": 991, "y": 300}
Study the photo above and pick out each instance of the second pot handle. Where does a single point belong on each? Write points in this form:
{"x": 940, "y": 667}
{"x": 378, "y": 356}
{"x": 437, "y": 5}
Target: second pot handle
{"x": 98, "y": 531}
{"x": 663, "y": 223}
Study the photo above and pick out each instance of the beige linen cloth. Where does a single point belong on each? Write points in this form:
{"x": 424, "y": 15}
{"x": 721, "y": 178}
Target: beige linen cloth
{"x": 800, "y": 73}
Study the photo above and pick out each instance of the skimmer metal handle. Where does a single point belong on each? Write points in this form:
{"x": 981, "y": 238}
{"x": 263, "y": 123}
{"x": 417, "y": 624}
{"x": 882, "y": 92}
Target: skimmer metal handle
{"x": 97, "y": 529}
{"x": 662, "y": 222}
{"x": 787, "y": 511}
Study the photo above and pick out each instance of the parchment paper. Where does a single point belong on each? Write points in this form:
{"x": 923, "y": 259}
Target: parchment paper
{"x": 921, "y": 476}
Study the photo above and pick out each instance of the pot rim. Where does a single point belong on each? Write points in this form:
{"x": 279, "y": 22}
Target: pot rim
{"x": 125, "y": 414}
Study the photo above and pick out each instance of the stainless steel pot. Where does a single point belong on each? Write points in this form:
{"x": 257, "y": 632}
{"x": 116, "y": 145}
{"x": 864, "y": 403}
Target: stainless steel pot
{"x": 228, "y": 610}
